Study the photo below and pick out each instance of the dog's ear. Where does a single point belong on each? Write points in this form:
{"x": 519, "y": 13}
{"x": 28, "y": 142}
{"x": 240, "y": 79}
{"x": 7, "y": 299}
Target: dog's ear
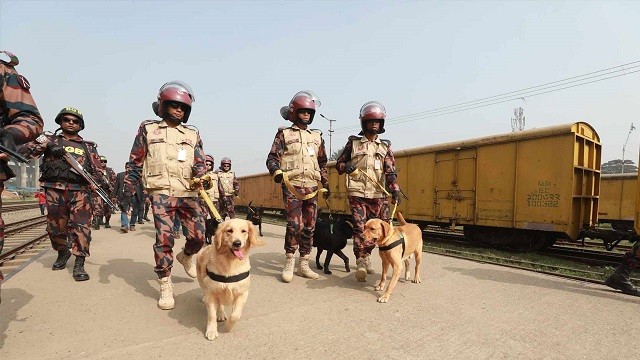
{"x": 253, "y": 237}
{"x": 386, "y": 229}
{"x": 217, "y": 238}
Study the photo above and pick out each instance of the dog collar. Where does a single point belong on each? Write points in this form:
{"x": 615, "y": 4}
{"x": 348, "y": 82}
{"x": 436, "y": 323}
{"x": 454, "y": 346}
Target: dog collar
{"x": 394, "y": 244}
{"x": 227, "y": 279}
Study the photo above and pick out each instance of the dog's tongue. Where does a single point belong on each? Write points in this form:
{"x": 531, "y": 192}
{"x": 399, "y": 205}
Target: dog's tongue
{"x": 238, "y": 254}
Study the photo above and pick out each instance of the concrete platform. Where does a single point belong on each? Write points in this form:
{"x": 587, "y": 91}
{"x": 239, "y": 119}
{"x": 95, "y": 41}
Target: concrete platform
{"x": 461, "y": 310}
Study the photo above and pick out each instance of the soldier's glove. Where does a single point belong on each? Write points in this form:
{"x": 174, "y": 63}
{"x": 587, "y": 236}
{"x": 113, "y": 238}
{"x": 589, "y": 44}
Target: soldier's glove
{"x": 7, "y": 140}
{"x": 278, "y": 177}
{"x": 56, "y": 151}
{"x": 350, "y": 168}
{"x": 326, "y": 193}
{"x": 397, "y": 198}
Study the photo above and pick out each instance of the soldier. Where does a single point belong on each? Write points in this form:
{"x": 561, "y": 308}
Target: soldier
{"x": 110, "y": 181}
{"x": 370, "y": 165}
{"x": 298, "y": 161}
{"x": 620, "y": 278}
{"x": 123, "y": 198}
{"x": 68, "y": 193}
{"x": 166, "y": 154}
{"x": 21, "y": 120}
{"x": 230, "y": 188}
{"x": 101, "y": 209}
{"x": 214, "y": 194}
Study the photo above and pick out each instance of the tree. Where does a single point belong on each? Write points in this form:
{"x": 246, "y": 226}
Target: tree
{"x": 615, "y": 167}
{"x": 335, "y": 154}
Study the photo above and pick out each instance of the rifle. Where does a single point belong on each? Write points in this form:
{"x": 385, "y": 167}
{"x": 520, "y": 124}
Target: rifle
{"x": 77, "y": 168}
{"x": 13, "y": 154}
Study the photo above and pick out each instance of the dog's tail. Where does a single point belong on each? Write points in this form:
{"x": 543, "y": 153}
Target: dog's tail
{"x": 401, "y": 220}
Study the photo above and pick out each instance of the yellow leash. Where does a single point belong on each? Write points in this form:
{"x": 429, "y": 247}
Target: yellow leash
{"x": 292, "y": 188}
{"x": 203, "y": 194}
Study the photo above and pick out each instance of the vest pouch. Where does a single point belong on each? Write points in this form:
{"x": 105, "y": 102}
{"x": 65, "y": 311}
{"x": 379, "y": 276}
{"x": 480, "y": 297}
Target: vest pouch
{"x": 153, "y": 177}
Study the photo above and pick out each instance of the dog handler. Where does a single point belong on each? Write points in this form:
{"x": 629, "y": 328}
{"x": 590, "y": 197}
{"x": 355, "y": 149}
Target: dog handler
{"x": 298, "y": 161}
{"x": 167, "y": 154}
{"x": 370, "y": 165}
{"x": 214, "y": 194}
{"x": 229, "y": 188}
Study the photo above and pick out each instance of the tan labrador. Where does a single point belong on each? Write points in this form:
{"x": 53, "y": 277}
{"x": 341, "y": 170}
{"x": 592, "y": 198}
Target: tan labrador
{"x": 223, "y": 272}
{"x": 395, "y": 246}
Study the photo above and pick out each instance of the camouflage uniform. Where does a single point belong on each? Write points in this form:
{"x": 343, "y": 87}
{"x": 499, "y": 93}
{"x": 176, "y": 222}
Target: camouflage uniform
{"x": 69, "y": 196}
{"x": 110, "y": 181}
{"x": 229, "y": 188}
{"x": 155, "y": 159}
{"x": 366, "y": 199}
{"x": 214, "y": 194}
{"x": 19, "y": 114}
{"x": 20, "y": 117}
{"x": 301, "y": 214}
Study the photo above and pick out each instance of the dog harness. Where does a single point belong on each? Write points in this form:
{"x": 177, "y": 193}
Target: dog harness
{"x": 227, "y": 279}
{"x": 394, "y": 244}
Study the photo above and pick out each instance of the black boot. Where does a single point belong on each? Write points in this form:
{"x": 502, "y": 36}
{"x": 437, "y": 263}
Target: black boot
{"x": 96, "y": 225}
{"x": 106, "y": 225}
{"x": 620, "y": 280}
{"x": 61, "y": 261}
{"x": 78, "y": 270}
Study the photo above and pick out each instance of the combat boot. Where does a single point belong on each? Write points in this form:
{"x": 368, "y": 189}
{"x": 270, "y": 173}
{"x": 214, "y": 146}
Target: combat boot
{"x": 361, "y": 271}
{"x": 620, "y": 280}
{"x": 166, "y": 302}
{"x": 106, "y": 225}
{"x": 61, "y": 261}
{"x": 304, "y": 269}
{"x": 187, "y": 262}
{"x": 367, "y": 264}
{"x": 96, "y": 224}
{"x": 287, "y": 272}
{"x": 78, "y": 270}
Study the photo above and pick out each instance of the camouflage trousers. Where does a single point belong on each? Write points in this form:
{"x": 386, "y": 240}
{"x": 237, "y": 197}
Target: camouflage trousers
{"x": 227, "y": 207}
{"x": 363, "y": 209}
{"x": 301, "y": 221}
{"x": 69, "y": 219}
{"x": 1, "y": 221}
{"x": 97, "y": 204}
{"x": 189, "y": 212}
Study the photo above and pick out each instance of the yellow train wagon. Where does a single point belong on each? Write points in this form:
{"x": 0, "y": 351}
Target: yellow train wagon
{"x": 618, "y": 196}
{"x": 523, "y": 188}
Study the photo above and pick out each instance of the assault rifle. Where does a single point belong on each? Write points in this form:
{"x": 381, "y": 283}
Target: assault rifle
{"x": 77, "y": 168}
{"x": 13, "y": 154}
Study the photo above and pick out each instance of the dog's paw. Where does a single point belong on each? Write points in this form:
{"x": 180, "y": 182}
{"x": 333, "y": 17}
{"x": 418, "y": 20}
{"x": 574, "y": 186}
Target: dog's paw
{"x": 221, "y": 318}
{"x": 211, "y": 334}
{"x": 417, "y": 280}
{"x": 327, "y": 271}
{"x": 379, "y": 287}
{"x": 347, "y": 268}
{"x": 319, "y": 267}
{"x": 383, "y": 299}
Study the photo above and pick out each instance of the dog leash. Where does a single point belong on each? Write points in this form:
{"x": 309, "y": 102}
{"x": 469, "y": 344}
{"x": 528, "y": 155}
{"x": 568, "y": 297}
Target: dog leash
{"x": 292, "y": 188}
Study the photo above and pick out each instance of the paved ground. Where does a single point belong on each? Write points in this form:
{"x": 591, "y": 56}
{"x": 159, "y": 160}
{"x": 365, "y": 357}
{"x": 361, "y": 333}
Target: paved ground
{"x": 462, "y": 310}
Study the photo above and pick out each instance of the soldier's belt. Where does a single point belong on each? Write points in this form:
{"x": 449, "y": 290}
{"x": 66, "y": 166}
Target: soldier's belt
{"x": 295, "y": 191}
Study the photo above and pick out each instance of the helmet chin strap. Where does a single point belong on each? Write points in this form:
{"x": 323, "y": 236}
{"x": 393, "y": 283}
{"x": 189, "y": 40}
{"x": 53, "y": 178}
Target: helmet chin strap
{"x": 173, "y": 120}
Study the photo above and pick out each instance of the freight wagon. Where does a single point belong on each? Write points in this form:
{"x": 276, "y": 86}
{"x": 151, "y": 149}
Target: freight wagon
{"x": 618, "y": 196}
{"x": 524, "y": 189}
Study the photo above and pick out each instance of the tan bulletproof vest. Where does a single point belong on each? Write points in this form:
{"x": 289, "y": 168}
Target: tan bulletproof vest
{"x": 367, "y": 156}
{"x": 226, "y": 179}
{"x": 168, "y": 165}
{"x": 213, "y": 193}
{"x": 300, "y": 157}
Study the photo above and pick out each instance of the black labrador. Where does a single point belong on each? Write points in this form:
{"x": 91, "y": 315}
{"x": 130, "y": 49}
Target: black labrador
{"x": 332, "y": 235}
{"x": 254, "y": 214}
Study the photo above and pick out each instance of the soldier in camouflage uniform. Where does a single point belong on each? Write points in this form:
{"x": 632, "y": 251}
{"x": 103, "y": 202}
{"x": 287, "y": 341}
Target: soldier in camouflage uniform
{"x": 620, "y": 279}
{"x": 229, "y": 188}
{"x": 298, "y": 161}
{"x": 21, "y": 120}
{"x": 68, "y": 194}
{"x": 214, "y": 194}
{"x": 372, "y": 156}
{"x": 166, "y": 155}
{"x": 110, "y": 181}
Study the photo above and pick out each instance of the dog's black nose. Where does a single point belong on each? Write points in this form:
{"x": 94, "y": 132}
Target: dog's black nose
{"x": 237, "y": 244}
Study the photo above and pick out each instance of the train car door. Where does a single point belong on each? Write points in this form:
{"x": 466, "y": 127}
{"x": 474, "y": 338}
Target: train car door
{"x": 455, "y": 176}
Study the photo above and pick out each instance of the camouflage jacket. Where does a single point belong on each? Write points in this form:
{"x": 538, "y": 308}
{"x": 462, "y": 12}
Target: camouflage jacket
{"x": 18, "y": 110}
{"x": 277, "y": 149}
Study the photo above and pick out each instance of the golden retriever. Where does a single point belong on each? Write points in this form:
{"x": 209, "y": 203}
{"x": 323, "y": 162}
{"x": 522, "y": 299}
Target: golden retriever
{"x": 395, "y": 246}
{"x": 223, "y": 272}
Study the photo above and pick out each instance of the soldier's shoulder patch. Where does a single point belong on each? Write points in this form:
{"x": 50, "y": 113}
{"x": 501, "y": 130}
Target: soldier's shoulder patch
{"x": 11, "y": 59}
{"x": 388, "y": 142}
{"x": 24, "y": 83}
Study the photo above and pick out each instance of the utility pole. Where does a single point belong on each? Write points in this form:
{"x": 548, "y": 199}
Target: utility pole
{"x": 624, "y": 147}
{"x": 517, "y": 122}
{"x": 331, "y": 121}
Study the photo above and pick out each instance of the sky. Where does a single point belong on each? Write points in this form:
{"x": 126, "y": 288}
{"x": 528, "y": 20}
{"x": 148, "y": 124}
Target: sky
{"x": 246, "y": 59}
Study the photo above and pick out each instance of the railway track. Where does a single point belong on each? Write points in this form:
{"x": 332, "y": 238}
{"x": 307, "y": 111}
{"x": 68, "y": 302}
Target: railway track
{"x": 20, "y": 206}
{"x": 25, "y": 240}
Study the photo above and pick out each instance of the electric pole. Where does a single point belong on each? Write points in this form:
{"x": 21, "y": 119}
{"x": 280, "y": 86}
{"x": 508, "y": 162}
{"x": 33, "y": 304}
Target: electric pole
{"x": 624, "y": 147}
{"x": 331, "y": 121}
{"x": 517, "y": 121}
